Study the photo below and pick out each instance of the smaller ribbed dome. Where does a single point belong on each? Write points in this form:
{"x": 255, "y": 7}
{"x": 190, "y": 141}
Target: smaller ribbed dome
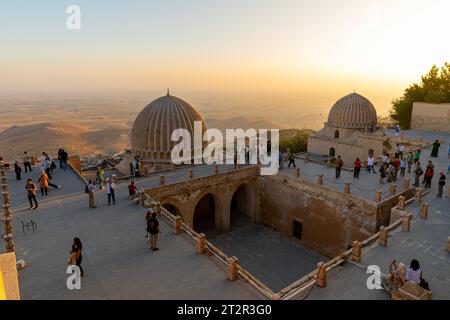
{"x": 152, "y": 130}
{"x": 352, "y": 111}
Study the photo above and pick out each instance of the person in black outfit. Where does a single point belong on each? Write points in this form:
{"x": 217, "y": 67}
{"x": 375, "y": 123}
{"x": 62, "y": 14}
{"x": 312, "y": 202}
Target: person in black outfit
{"x": 77, "y": 248}
{"x": 441, "y": 184}
{"x": 17, "y": 170}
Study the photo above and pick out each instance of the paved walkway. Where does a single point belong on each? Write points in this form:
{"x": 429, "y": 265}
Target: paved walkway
{"x": 116, "y": 257}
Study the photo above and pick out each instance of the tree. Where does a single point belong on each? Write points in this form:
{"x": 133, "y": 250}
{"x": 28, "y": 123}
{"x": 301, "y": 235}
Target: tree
{"x": 434, "y": 88}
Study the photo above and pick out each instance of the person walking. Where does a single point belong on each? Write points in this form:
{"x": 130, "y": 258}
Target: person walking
{"x": 153, "y": 229}
{"x": 132, "y": 191}
{"x": 31, "y": 193}
{"x": 17, "y": 170}
{"x": 291, "y": 160}
{"x": 401, "y": 150}
{"x": 60, "y": 158}
{"x": 417, "y": 173}
{"x": 402, "y": 167}
{"x": 435, "y": 149}
{"x": 429, "y": 173}
{"x": 371, "y": 164}
{"x": 110, "y": 190}
{"x": 26, "y": 162}
{"x": 441, "y": 184}
{"x": 356, "y": 168}
{"x": 90, "y": 188}
{"x": 76, "y": 256}
{"x": 339, "y": 165}
{"x": 280, "y": 159}
{"x": 43, "y": 183}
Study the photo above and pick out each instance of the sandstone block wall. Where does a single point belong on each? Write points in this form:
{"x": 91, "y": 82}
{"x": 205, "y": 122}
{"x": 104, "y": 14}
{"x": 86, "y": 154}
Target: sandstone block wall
{"x": 431, "y": 117}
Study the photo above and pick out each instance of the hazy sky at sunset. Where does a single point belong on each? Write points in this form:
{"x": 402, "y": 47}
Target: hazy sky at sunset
{"x": 315, "y": 48}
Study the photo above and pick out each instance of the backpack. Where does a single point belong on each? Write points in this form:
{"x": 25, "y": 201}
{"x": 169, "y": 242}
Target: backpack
{"x": 86, "y": 189}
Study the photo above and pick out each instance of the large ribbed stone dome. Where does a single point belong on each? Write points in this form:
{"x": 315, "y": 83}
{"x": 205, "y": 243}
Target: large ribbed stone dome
{"x": 153, "y": 127}
{"x": 352, "y": 111}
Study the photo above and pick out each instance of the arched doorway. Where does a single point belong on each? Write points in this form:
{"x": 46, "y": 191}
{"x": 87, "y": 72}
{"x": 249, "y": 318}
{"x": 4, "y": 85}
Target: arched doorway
{"x": 173, "y": 210}
{"x": 332, "y": 152}
{"x": 240, "y": 208}
{"x": 336, "y": 134}
{"x": 204, "y": 220}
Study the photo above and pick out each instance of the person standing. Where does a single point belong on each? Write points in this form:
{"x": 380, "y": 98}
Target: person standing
{"x": 356, "y": 168}
{"x": 280, "y": 159}
{"x": 100, "y": 178}
{"x": 401, "y": 150}
{"x": 291, "y": 160}
{"x": 429, "y": 173}
{"x": 110, "y": 190}
{"x": 383, "y": 170}
{"x": 417, "y": 156}
{"x": 402, "y": 166}
{"x": 138, "y": 168}
{"x": 417, "y": 173}
{"x": 43, "y": 183}
{"x": 26, "y": 162}
{"x": 90, "y": 191}
{"x": 409, "y": 160}
{"x": 153, "y": 230}
{"x": 396, "y": 164}
{"x": 31, "y": 193}
{"x": 429, "y": 165}
{"x": 435, "y": 150}
{"x": 371, "y": 164}
{"x": 60, "y": 158}
{"x": 64, "y": 159}
{"x": 397, "y": 130}
{"x": 339, "y": 165}
{"x": 17, "y": 170}
{"x": 441, "y": 184}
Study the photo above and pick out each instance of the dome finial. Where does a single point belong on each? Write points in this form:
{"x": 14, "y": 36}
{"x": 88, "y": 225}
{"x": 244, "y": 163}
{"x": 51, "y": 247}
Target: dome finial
{"x": 168, "y": 92}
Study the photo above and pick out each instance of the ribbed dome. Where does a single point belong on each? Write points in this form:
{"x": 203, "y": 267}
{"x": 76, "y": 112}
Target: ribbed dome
{"x": 153, "y": 127}
{"x": 352, "y": 111}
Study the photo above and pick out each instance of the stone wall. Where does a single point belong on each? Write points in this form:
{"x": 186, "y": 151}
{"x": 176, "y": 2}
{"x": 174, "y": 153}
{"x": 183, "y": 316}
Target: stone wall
{"x": 431, "y": 117}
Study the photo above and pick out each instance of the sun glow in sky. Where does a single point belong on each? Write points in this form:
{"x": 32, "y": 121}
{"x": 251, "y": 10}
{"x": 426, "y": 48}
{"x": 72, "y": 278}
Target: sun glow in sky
{"x": 316, "y": 48}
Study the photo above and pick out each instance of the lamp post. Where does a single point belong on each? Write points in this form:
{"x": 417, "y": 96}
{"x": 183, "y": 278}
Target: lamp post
{"x": 6, "y": 212}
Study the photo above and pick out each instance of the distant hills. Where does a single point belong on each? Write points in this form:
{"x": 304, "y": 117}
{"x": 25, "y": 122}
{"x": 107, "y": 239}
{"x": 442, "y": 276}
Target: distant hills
{"x": 51, "y": 136}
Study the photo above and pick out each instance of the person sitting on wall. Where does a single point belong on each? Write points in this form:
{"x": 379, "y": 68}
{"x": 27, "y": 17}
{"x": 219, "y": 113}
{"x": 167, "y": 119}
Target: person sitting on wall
{"x": 132, "y": 191}
{"x": 414, "y": 274}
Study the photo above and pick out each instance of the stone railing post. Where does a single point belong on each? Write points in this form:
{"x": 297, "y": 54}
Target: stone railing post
{"x": 237, "y": 166}
{"x": 158, "y": 208}
{"x": 216, "y": 169}
{"x": 177, "y": 225}
{"x": 356, "y": 251}
{"x": 406, "y": 222}
{"x": 321, "y": 280}
{"x": 297, "y": 172}
{"x": 418, "y": 195}
{"x": 424, "y": 211}
{"x": 191, "y": 174}
{"x": 378, "y": 195}
{"x": 142, "y": 198}
{"x": 201, "y": 243}
{"x": 162, "y": 180}
{"x": 406, "y": 183}
{"x": 401, "y": 202}
{"x": 320, "y": 179}
{"x": 347, "y": 187}
{"x": 447, "y": 247}
{"x": 232, "y": 268}
{"x": 145, "y": 171}
{"x": 383, "y": 237}
{"x": 306, "y": 157}
{"x": 393, "y": 189}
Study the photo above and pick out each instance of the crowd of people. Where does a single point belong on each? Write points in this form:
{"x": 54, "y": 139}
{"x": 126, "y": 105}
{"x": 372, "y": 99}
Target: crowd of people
{"x": 45, "y": 177}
